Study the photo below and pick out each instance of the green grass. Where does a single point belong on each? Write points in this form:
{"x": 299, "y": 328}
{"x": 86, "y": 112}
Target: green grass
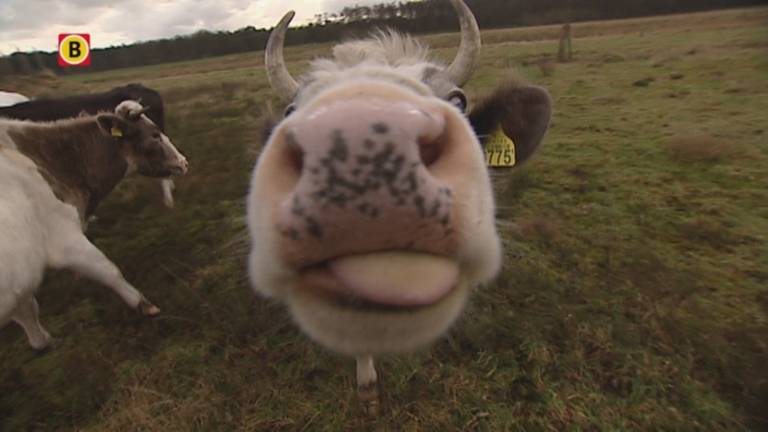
{"x": 634, "y": 295}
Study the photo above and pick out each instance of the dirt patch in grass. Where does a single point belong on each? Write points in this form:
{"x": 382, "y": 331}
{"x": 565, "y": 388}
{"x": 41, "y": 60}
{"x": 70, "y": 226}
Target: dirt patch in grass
{"x": 547, "y": 67}
{"x": 701, "y": 148}
{"x": 645, "y": 82}
{"x": 539, "y": 228}
{"x": 609, "y": 100}
{"x": 710, "y": 231}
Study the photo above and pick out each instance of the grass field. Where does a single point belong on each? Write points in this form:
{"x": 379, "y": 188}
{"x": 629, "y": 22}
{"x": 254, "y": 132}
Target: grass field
{"x": 634, "y": 294}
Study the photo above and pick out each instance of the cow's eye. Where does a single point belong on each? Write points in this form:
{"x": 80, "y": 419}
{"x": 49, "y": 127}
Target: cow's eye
{"x": 457, "y": 99}
{"x": 156, "y": 135}
{"x": 289, "y": 109}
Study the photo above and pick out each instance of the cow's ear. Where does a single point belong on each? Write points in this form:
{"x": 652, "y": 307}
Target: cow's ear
{"x": 112, "y": 125}
{"x": 521, "y": 112}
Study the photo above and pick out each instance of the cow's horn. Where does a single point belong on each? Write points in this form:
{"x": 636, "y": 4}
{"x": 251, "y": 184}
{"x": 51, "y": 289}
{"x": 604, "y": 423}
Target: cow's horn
{"x": 277, "y": 73}
{"x": 466, "y": 59}
{"x": 135, "y": 115}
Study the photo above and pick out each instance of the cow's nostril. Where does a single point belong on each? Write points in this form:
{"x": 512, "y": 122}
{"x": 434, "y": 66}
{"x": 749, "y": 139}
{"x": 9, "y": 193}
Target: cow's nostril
{"x": 294, "y": 152}
{"x": 430, "y": 148}
{"x": 431, "y": 136}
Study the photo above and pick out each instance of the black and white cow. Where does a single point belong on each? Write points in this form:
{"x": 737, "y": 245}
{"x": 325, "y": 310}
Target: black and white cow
{"x": 371, "y": 212}
{"x": 52, "y": 177}
{"x": 50, "y": 109}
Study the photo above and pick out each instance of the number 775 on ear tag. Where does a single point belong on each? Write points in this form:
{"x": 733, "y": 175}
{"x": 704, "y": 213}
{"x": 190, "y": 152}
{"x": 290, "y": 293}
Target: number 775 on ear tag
{"x": 499, "y": 150}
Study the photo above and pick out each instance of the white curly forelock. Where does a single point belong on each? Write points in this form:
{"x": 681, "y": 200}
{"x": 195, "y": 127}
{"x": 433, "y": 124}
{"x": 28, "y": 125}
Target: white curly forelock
{"x": 127, "y": 108}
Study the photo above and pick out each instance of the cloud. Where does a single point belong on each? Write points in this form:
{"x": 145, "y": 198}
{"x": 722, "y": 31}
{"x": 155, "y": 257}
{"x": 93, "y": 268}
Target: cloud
{"x": 34, "y": 25}
{"x": 25, "y": 25}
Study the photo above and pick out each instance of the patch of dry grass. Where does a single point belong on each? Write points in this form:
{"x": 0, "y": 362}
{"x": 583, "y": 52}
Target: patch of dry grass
{"x": 711, "y": 231}
{"x": 701, "y": 148}
{"x": 144, "y": 408}
{"x": 547, "y": 67}
{"x": 40, "y": 84}
{"x": 539, "y": 228}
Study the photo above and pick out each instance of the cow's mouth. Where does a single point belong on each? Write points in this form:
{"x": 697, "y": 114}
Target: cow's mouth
{"x": 164, "y": 172}
{"x": 382, "y": 281}
{"x": 177, "y": 171}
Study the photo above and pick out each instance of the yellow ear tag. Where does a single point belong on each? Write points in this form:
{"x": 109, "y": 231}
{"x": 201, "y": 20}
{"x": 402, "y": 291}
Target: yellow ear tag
{"x": 116, "y": 132}
{"x": 499, "y": 150}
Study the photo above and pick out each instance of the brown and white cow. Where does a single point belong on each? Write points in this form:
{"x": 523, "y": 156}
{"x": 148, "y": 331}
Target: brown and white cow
{"x": 370, "y": 211}
{"x": 51, "y": 109}
{"x": 52, "y": 177}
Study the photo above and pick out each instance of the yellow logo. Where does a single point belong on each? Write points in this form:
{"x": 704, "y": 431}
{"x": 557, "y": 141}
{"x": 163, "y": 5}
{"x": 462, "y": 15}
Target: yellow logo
{"x": 74, "y": 49}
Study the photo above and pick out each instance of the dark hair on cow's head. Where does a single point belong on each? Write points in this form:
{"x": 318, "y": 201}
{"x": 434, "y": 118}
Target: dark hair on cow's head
{"x": 521, "y": 111}
{"x": 141, "y": 140}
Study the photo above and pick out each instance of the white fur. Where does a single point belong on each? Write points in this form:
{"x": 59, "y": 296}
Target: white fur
{"x": 356, "y": 332}
{"x": 175, "y": 155}
{"x": 167, "y": 186}
{"x": 383, "y": 47}
{"x": 366, "y": 374}
{"x": 129, "y": 107}
{"x": 37, "y": 231}
{"x": 10, "y": 98}
{"x": 367, "y": 383}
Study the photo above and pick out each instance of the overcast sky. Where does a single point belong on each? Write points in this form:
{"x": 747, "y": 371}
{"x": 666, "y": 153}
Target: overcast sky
{"x": 27, "y": 25}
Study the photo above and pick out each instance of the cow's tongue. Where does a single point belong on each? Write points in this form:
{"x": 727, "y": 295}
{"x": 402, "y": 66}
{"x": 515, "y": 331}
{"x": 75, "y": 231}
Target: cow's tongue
{"x": 395, "y": 278}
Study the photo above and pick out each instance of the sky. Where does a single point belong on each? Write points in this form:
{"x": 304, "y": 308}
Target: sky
{"x": 27, "y": 25}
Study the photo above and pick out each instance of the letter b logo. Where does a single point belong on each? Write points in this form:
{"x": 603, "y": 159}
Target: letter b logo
{"x": 74, "y": 49}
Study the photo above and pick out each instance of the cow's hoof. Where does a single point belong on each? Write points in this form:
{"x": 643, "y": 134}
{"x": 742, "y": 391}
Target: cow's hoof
{"x": 148, "y": 309}
{"x": 43, "y": 343}
{"x": 372, "y": 408}
{"x": 369, "y": 396}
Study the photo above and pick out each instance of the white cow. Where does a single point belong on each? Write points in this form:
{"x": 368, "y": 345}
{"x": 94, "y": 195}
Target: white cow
{"x": 370, "y": 210}
{"x": 53, "y": 175}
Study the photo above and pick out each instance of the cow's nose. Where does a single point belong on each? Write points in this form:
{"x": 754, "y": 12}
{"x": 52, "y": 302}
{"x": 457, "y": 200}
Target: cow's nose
{"x": 181, "y": 166}
{"x": 370, "y": 129}
{"x": 365, "y": 181}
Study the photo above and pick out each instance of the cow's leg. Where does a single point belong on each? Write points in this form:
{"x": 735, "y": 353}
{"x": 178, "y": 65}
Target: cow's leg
{"x": 367, "y": 384}
{"x": 26, "y": 315}
{"x": 91, "y": 219}
{"x": 83, "y": 257}
{"x": 168, "y": 186}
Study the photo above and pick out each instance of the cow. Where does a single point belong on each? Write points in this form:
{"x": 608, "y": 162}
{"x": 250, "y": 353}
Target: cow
{"x": 10, "y": 98}
{"x": 370, "y": 209}
{"x": 53, "y": 176}
{"x": 49, "y": 109}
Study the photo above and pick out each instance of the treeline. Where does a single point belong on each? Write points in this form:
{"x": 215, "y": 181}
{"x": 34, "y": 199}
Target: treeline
{"x": 425, "y": 16}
